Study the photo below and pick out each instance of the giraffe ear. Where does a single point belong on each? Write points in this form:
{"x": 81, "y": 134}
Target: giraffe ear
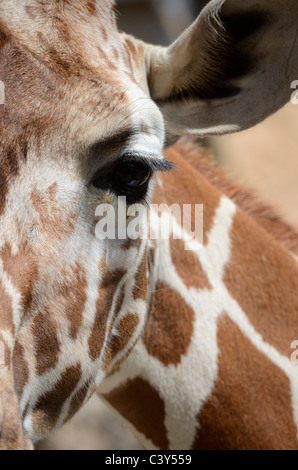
{"x": 230, "y": 70}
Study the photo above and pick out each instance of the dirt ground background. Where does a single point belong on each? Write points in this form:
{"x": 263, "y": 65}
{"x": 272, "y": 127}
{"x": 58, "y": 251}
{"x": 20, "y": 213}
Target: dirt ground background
{"x": 264, "y": 158}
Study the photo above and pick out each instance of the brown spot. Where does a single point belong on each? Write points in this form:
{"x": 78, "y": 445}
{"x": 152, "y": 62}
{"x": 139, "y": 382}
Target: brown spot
{"x": 46, "y": 344}
{"x": 126, "y": 329}
{"x": 111, "y": 65}
{"x": 9, "y": 170}
{"x": 22, "y": 271}
{"x": 91, "y": 6}
{"x": 142, "y": 406}
{"x": 54, "y": 217}
{"x": 107, "y": 289}
{"x": 6, "y": 318}
{"x": 47, "y": 411}
{"x": 78, "y": 400}
{"x": 20, "y": 368}
{"x": 201, "y": 160}
{"x": 115, "y": 54}
{"x": 102, "y": 54}
{"x": 72, "y": 296}
{"x": 263, "y": 278}
{"x": 169, "y": 329}
{"x": 201, "y": 191}
{"x": 188, "y": 266}
{"x": 104, "y": 34}
{"x": 129, "y": 243}
{"x": 135, "y": 54}
{"x": 6, "y": 349}
{"x": 250, "y": 406}
{"x": 32, "y": 11}
{"x": 3, "y": 36}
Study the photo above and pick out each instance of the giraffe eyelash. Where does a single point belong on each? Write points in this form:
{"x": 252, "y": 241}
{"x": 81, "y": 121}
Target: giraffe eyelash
{"x": 130, "y": 177}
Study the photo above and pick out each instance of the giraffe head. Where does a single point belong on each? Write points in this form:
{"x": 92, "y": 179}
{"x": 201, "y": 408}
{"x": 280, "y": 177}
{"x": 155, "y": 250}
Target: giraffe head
{"x": 87, "y": 113}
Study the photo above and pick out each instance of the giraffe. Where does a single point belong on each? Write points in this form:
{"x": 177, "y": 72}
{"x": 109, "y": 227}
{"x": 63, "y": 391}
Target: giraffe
{"x": 191, "y": 347}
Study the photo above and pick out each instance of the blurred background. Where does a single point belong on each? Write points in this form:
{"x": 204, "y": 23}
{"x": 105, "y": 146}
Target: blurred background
{"x": 264, "y": 159}
{"x": 157, "y": 21}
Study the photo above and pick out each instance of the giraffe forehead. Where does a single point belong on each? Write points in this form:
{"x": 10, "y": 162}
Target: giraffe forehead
{"x": 38, "y": 14}
{"x": 78, "y": 38}
{"x": 69, "y": 78}
{"x": 79, "y": 108}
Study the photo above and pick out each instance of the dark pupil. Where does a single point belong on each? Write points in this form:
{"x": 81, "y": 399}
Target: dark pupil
{"x": 132, "y": 175}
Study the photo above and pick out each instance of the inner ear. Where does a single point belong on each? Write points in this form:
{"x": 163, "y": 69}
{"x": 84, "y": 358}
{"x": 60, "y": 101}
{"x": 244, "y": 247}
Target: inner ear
{"x": 225, "y": 53}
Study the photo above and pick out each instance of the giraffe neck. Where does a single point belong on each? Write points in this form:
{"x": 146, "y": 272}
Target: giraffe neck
{"x": 213, "y": 368}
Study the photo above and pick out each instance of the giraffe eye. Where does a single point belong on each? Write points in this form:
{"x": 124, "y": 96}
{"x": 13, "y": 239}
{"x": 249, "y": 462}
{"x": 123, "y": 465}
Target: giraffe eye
{"x": 128, "y": 178}
{"x": 131, "y": 176}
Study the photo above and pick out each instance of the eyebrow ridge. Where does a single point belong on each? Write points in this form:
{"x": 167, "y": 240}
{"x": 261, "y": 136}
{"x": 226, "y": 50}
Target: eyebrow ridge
{"x": 114, "y": 142}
